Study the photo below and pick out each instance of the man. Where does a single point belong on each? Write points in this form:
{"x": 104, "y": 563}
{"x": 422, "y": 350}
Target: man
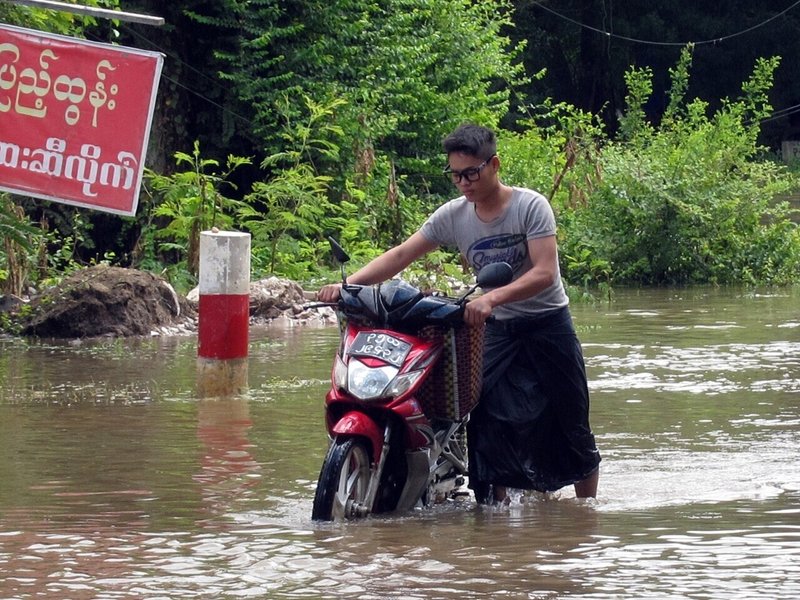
{"x": 531, "y": 427}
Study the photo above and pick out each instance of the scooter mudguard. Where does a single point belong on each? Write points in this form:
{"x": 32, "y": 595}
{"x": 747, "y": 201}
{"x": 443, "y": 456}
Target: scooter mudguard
{"x": 358, "y": 423}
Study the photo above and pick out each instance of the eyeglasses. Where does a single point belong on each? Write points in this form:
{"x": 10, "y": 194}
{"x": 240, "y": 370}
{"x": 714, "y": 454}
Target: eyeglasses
{"x": 471, "y": 175}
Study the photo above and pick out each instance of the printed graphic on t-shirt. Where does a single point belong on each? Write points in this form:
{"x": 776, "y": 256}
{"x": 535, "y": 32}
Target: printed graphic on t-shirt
{"x": 511, "y": 248}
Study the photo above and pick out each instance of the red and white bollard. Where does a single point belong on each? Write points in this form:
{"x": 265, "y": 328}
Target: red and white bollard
{"x": 224, "y": 315}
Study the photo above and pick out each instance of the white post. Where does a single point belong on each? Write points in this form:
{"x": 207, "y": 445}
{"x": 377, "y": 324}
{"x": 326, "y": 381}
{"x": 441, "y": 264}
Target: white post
{"x": 224, "y": 314}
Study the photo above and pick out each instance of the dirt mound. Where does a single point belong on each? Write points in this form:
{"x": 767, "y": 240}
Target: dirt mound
{"x": 106, "y": 301}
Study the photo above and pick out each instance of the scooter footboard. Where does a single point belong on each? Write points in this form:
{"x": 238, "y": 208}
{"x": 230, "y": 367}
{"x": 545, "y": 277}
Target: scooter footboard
{"x": 417, "y": 479}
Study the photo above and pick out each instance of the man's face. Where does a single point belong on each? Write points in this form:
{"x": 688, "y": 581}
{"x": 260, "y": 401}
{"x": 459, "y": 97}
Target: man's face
{"x": 474, "y": 176}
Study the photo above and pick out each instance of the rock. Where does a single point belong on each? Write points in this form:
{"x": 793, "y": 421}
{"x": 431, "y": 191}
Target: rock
{"x": 280, "y": 303}
{"x": 10, "y": 302}
{"x": 114, "y": 301}
{"x": 271, "y": 297}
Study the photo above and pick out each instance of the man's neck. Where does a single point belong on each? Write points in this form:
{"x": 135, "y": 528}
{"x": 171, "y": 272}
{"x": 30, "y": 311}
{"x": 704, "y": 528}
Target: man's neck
{"x": 494, "y": 204}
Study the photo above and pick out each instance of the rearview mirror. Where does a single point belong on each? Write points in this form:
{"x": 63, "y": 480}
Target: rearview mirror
{"x": 338, "y": 252}
{"x": 495, "y": 275}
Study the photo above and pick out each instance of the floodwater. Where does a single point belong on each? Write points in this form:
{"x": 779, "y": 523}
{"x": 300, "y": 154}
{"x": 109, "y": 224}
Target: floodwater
{"x": 117, "y": 481}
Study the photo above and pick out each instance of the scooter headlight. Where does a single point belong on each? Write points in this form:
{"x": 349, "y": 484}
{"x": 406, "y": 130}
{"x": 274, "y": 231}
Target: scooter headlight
{"x": 367, "y": 383}
{"x": 339, "y": 374}
{"x": 402, "y": 383}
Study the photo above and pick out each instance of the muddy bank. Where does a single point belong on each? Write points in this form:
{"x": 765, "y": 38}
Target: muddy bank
{"x": 104, "y": 301}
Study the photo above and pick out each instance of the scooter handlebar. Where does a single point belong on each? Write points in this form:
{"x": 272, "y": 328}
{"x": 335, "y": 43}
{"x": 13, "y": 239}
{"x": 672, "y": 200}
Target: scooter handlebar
{"x": 321, "y": 305}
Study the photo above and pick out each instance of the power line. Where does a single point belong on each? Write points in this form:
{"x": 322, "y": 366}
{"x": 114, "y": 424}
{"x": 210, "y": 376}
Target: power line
{"x": 207, "y": 99}
{"x": 784, "y": 112}
{"x": 779, "y": 114}
{"x": 177, "y": 59}
{"x": 658, "y": 43}
{"x": 173, "y": 56}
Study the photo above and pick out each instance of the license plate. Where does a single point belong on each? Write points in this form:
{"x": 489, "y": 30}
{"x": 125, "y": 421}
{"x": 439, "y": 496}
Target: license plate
{"x": 380, "y": 345}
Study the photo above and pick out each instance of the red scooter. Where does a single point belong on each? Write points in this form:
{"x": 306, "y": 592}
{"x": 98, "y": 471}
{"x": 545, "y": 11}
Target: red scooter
{"x": 405, "y": 376}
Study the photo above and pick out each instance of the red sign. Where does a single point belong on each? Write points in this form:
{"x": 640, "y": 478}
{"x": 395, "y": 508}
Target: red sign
{"x": 74, "y": 118}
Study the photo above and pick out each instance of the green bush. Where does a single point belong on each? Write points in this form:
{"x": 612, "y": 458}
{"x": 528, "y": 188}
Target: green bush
{"x": 690, "y": 201}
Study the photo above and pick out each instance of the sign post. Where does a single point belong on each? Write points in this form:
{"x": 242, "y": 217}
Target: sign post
{"x": 75, "y": 119}
{"x": 92, "y": 11}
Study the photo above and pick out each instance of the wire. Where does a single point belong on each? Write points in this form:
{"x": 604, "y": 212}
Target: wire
{"x": 207, "y": 99}
{"x": 173, "y": 56}
{"x": 177, "y": 59}
{"x": 778, "y": 114}
{"x": 784, "y": 112}
{"x": 657, "y": 43}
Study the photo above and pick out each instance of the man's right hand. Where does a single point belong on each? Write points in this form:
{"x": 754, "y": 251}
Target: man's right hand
{"x": 330, "y": 292}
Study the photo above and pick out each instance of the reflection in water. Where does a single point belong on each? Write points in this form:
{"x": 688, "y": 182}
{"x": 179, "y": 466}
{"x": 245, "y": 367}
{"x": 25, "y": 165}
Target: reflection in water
{"x": 116, "y": 481}
{"x": 228, "y": 471}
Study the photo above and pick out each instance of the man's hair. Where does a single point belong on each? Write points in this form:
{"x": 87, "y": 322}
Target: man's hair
{"x": 471, "y": 139}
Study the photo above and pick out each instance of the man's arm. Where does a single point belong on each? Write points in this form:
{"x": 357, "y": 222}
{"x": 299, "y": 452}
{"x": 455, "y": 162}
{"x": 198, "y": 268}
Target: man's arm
{"x": 544, "y": 256}
{"x": 391, "y": 262}
{"x": 384, "y": 267}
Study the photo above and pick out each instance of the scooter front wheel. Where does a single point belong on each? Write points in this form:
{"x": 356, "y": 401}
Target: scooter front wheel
{"x": 343, "y": 482}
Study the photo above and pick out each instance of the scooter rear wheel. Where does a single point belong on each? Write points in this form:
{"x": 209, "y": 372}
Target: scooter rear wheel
{"x": 343, "y": 482}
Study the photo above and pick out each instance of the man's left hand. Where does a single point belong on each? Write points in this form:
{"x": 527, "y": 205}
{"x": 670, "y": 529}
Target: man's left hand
{"x": 477, "y": 311}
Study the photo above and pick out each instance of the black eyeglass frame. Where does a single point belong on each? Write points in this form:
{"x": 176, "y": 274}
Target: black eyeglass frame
{"x": 472, "y": 174}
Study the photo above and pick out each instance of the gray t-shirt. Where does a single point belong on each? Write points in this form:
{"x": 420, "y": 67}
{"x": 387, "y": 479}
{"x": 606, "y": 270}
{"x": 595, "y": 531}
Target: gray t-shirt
{"x": 527, "y": 217}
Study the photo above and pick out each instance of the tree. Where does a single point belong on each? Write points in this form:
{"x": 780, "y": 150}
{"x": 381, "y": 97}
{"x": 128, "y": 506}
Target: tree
{"x": 408, "y": 69}
{"x": 586, "y": 46}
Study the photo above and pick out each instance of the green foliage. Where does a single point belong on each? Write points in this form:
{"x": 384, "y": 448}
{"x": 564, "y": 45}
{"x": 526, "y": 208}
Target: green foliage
{"x": 634, "y": 124}
{"x": 431, "y": 65}
{"x": 191, "y": 201}
{"x": 59, "y": 245}
{"x": 680, "y": 84}
{"x": 557, "y": 153}
{"x": 690, "y": 201}
{"x": 287, "y": 212}
{"x": 39, "y": 254}
{"x": 15, "y": 226}
{"x": 52, "y": 21}
{"x": 408, "y": 70}
{"x": 389, "y": 211}
{"x": 553, "y": 152}
{"x": 19, "y": 238}
{"x": 349, "y": 99}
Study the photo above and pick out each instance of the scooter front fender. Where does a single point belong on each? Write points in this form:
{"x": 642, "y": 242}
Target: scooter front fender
{"x": 360, "y": 424}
